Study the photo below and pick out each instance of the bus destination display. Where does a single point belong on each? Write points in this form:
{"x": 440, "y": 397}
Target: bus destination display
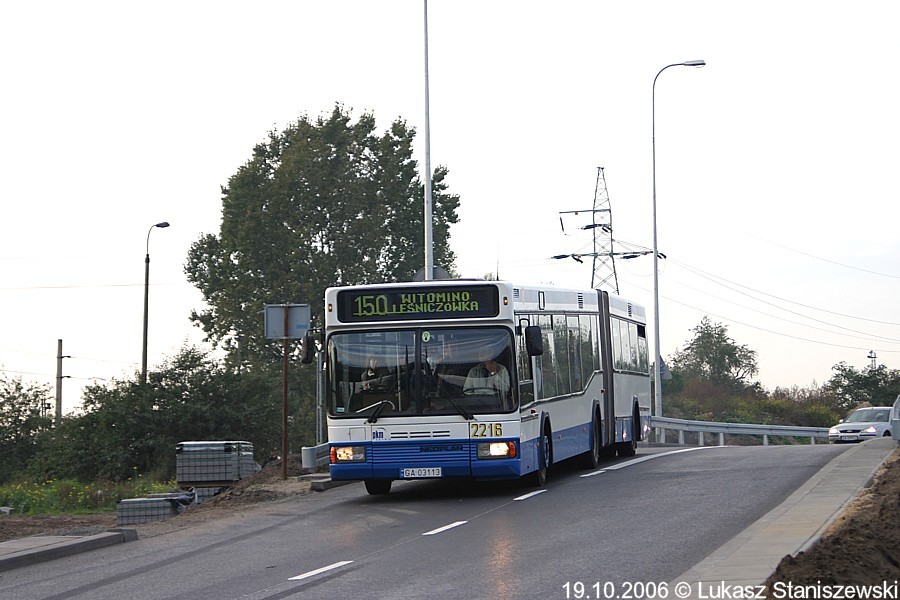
{"x": 406, "y": 304}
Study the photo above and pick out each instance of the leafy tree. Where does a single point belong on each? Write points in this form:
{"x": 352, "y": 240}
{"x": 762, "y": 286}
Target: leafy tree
{"x": 21, "y": 421}
{"x": 715, "y": 357}
{"x": 320, "y": 204}
{"x": 126, "y": 426}
{"x": 879, "y": 386}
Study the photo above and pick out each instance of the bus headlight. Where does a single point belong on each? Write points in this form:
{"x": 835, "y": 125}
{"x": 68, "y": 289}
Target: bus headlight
{"x": 341, "y": 454}
{"x": 497, "y": 450}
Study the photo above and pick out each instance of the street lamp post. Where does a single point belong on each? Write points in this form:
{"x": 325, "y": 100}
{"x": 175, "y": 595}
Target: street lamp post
{"x": 146, "y": 299}
{"x": 657, "y": 360}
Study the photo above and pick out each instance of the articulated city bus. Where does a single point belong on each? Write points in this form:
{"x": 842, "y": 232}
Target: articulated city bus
{"x": 480, "y": 379}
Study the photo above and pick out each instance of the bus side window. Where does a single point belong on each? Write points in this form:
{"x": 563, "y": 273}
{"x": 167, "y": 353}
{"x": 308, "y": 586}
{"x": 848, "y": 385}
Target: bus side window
{"x": 561, "y": 343}
{"x": 523, "y": 365}
{"x": 548, "y": 358}
{"x": 587, "y": 344}
{"x": 576, "y": 375}
{"x": 616, "y": 338}
{"x": 643, "y": 365}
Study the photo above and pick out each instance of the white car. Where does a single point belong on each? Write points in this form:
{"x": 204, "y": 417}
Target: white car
{"x": 895, "y": 421}
{"x": 863, "y": 424}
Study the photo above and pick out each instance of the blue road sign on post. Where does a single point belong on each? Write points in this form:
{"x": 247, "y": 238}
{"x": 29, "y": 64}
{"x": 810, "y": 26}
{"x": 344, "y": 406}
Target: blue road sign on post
{"x": 286, "y": 322}
{"x": 297, "y": 321}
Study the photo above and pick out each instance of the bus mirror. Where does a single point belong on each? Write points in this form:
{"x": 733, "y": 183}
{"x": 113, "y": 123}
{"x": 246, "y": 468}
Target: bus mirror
{"x": 534, "y": 345}
{"x": 307, "y": 349}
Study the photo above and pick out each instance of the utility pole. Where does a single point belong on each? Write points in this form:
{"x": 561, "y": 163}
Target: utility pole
{"x": 872, "y": 356}
{"x": 59, "y": 378}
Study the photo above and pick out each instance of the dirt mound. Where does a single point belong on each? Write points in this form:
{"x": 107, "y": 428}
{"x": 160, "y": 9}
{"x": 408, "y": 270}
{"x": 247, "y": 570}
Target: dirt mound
{"x": 862, "y": 547}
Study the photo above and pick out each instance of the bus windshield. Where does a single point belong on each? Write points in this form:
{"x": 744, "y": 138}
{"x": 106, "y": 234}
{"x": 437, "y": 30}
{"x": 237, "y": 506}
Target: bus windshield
{"x": 421, "y": 371}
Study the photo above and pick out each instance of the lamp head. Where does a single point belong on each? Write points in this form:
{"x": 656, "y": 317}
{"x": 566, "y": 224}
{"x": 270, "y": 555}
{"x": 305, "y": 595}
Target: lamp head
{"x": 694, "y": 63}
{"x": 163, "y": 224}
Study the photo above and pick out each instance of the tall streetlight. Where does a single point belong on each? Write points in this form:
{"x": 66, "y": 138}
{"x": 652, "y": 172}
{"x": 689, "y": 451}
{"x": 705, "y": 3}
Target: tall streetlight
{"x": 146, "y": 299}
{"x": 657, "y": 360}
{"x": 428, "y": 216}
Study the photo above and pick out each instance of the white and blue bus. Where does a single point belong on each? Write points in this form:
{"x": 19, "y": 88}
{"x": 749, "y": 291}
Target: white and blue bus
{"x": 480, "y": 379}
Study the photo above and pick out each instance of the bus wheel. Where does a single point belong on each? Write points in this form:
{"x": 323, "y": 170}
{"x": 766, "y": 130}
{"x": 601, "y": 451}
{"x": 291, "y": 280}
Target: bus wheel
{"x": 591, "y": 458}
{"x": 378, "y": 487}
{"x": 626, "y": 449}
{"x": 539, "y": 477}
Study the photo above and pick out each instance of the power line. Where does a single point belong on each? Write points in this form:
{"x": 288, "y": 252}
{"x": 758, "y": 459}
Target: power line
{"x": 713, "y": 278}
{"x": 80, "y": 286}
{"x": 863, "y": 333}
{"x": 827, "y": 260}
{"x": 776, "y": 332}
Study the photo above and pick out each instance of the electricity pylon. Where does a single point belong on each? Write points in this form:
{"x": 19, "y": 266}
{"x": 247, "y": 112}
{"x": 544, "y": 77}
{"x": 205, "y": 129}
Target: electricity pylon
{"x": 604, "y": 271}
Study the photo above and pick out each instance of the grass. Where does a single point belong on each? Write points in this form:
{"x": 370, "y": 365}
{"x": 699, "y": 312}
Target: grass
{"x": 67, "y": 496}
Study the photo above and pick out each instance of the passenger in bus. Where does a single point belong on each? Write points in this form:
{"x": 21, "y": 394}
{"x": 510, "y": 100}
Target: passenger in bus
{"x": 372, "y": 375}
{"x": 488, "y": 377}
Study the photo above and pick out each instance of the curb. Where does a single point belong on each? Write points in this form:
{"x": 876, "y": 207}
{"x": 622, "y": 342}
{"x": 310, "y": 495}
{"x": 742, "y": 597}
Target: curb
{"x": 327, "y": 484}
{"x": 34, "y": 551}
{"x": 792, "y": 526}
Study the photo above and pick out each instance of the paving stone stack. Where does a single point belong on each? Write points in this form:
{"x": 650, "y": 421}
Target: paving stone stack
{"x": 213, "y": 464}
{"x": 204, "y": 468}
{"x": 156, "y": 507}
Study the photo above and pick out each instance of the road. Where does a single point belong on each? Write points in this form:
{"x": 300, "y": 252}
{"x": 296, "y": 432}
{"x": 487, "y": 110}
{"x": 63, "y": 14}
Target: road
{"x": 631, "y": 521}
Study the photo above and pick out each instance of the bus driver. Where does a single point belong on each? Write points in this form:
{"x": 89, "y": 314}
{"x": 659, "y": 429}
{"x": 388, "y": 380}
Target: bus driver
{"x": 488, "y": 377}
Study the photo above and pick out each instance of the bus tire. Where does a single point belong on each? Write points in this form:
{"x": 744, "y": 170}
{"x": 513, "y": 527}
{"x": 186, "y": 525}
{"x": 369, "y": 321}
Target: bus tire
{"x": 591, "y": 458}
{"x": 626, "y": 449}
{"x": 378, "y": 487}
{"x": 539, "y": 477}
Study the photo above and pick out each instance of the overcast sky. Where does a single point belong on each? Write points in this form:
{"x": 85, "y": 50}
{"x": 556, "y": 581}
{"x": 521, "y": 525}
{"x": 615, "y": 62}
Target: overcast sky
{"x": 776, "y": 163}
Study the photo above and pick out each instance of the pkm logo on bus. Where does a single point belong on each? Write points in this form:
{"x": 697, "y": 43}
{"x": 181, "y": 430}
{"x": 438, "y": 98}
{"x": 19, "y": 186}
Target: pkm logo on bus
{"x": 378, "y": 434}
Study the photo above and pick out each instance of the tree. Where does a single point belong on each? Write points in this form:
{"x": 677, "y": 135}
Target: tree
{"x": 878, "y": 386}
{"x": 21, "y": 421}
{"x": 715, "y": 357}
{"x": 126, "y": 425}
{"x": 320, "y": 204}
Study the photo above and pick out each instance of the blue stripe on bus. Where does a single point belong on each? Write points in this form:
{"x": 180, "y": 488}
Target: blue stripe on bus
{"x": 456, "y": 457}
{"x": 459, "y": 457}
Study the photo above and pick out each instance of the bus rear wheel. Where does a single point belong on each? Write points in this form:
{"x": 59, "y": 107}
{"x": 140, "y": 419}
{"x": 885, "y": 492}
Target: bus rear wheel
{"x": 626, "y": 449}
{"x": 539, "y": 477}
{"x": 591, "y": 458}
{"x": 378, "y": 487}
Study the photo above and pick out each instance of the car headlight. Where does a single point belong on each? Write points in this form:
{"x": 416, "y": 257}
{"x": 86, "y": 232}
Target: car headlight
{"x": 833, "y": 431}
{"x": 497, "y": 450}
{"x": 341, "y": 454}
{"x": 869, "y": 429}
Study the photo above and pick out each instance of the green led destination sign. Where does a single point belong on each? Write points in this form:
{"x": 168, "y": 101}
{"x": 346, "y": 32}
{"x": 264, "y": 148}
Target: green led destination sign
{"x": 414, "y": 303}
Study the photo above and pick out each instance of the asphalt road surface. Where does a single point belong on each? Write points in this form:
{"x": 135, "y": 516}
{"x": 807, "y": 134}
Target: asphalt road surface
{"x": 635, "y": 521}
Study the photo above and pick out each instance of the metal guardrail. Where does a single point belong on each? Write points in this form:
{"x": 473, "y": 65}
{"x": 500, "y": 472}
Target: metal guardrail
{"x": 702, "y": 427}
{"x": 314, "y": 457}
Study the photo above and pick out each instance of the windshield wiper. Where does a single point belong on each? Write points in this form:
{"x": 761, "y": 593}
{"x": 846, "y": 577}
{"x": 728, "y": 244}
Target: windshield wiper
{"x": 380, "y": 407}
{"x": 466, "y": 415}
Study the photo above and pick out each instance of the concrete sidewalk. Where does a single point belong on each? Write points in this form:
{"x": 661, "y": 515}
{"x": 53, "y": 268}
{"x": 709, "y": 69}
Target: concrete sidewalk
{"x": 40, "y": 548}
{"x": 794, "y": 525}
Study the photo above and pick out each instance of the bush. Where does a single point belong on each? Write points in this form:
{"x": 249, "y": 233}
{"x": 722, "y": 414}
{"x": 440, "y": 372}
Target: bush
{"x": 71, "y": 496}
